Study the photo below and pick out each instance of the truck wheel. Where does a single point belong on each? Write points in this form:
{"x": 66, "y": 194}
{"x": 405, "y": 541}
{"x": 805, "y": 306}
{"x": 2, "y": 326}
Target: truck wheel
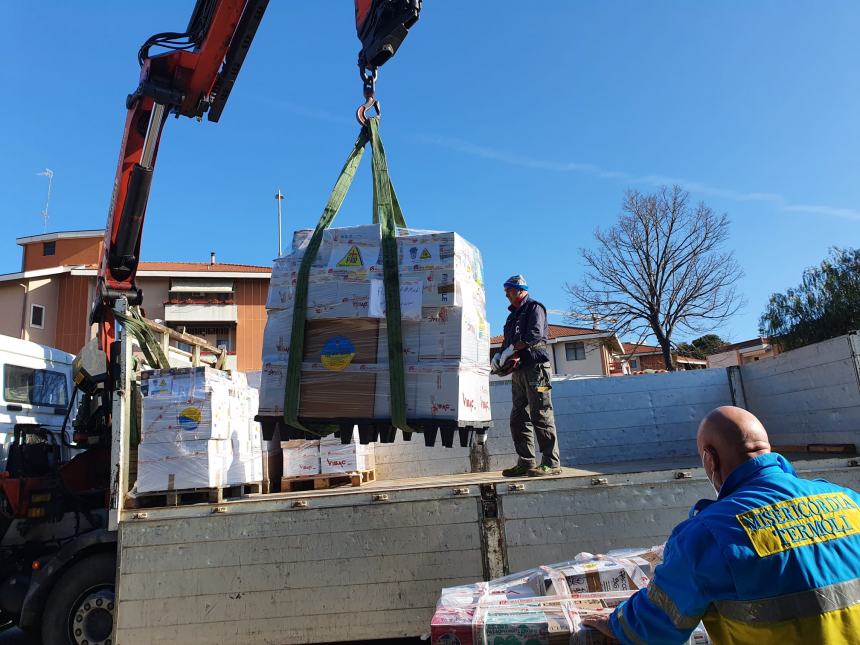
{"x": 81, "y": 607}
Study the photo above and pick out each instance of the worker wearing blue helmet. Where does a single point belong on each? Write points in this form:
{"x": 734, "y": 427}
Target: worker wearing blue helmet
{"x": 525, "y": 357}
{"x": 775, "y": 559}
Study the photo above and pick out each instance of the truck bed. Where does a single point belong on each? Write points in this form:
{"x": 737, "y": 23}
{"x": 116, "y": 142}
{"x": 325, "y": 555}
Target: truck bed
{"x": 362, "y": 563}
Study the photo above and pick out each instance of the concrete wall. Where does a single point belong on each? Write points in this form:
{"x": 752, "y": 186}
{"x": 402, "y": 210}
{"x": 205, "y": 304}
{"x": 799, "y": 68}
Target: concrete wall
{"x": 155, "y": 293}
{"x": 808, "y": 395}
{"x": 592, "y": 365}
{"x": 42, "y": 292}
{"x": 68, "y": 251}
{"x": 12, "y": 297}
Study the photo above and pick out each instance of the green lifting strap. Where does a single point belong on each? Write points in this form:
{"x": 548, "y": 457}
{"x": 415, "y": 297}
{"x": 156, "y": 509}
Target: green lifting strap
{"x": 297, "y": 337}
{"x": 388, "y": 214}
{"x": 386, "y": 210}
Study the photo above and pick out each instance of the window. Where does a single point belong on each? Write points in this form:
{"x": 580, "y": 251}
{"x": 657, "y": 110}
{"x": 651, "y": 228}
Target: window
{"x": 37, "y": 316}
{"x": 49, "y": 248}
{"x": 34, "y": 386}
{"x": 574, "y": 351}
{"x": 634, "y": 363}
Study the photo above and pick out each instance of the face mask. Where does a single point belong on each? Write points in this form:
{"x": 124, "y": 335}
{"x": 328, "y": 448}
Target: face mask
{"x": 711, "y": 481}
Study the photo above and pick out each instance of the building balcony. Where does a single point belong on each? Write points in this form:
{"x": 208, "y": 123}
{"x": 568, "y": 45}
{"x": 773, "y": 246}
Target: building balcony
{"x": 197, "y": 313}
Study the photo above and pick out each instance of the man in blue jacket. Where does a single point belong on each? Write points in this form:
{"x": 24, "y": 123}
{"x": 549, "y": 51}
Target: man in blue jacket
{"x": 531, "y": 415}
{"x": 775, "y": 559}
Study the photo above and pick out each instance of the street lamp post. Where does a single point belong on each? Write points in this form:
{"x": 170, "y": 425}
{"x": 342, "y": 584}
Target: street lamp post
{"x": 280, "y": 197}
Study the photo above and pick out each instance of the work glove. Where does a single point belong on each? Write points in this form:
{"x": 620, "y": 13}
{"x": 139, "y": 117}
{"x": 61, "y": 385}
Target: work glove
{"x": 494, "y": 364}
{"x": 506, "y": 354}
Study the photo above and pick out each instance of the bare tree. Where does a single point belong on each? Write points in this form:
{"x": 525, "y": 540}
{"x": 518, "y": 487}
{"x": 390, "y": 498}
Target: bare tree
{"x": 660, "y": 269}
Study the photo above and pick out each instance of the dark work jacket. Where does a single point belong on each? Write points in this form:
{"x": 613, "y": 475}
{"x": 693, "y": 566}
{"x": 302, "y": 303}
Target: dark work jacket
{"x": 527, "y": 324}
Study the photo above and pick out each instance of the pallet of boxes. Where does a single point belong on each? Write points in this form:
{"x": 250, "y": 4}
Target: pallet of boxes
{"x": 345, "y": 384}
{"x": 546, "y": 605}
{"x": 199, "y": 441}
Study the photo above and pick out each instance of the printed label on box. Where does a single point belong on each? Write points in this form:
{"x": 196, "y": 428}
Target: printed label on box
{"x": 410, "y": 299}
{"x": 422, "y": 254}
{"x": 353, "y": 255}
{"x": 160, "y": 385}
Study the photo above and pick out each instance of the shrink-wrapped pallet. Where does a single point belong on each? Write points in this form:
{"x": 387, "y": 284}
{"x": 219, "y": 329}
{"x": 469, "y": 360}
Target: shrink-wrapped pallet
{"x": 345, "y": 364}
{"x": 538, "y": 607}
{"x": 197, "y": 430}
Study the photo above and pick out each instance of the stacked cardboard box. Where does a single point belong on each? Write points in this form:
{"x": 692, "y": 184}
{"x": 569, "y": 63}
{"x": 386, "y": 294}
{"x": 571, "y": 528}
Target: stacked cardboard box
{"x": 301, "y": 458}
{"x": 338, "y": 457}
{"x": 198, "y": 430}
{"x": 345, "y": 358}
{"x": 538, "y": 607}
{"x": 327, "y": 456}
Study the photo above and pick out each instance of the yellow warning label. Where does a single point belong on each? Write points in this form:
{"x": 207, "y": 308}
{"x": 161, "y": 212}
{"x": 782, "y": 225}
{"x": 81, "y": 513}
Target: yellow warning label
{"x": 425, "y": 255}
{"x": 352, "y": 258}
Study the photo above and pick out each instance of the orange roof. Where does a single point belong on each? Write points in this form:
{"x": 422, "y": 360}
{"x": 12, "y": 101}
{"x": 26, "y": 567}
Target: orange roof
{"x": 639, "y": 348}
{"x": 202, "y": 266}
{"x": 188, "y": 267}
{"x": 561, "y": 331}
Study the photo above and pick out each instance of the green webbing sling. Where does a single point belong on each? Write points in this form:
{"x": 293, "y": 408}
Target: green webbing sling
{"x": 387, "y": 213}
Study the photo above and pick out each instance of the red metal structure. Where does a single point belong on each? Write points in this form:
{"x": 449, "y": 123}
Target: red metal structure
{"x": 53, "y": 514}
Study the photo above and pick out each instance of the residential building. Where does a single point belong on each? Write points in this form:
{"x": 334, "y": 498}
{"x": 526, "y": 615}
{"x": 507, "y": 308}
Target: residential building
{"x": 48, "y": 301}
{"x": 747, "y": 351}
{"x": 638, "y": 357}
{"x": 576, "y": 351}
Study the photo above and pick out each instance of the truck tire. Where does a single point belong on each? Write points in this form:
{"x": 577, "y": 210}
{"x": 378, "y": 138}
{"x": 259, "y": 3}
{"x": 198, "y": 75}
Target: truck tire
{"x": 81, "y": 606}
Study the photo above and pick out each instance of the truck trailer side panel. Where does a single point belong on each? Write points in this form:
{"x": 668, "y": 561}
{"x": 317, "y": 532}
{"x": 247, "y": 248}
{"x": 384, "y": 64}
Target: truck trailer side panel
{"x": 369, "y": 563}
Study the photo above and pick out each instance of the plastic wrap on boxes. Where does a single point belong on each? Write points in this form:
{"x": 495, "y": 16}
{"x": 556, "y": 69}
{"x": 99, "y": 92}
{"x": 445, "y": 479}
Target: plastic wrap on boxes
{"x": 338, "y": 457}
{"x": 301, "y": 457}
{"x": 198, "y": 430}
{"x": 538, "y": 607}
{"x": 344, "y": 372}
{"x": 165, "y": 466}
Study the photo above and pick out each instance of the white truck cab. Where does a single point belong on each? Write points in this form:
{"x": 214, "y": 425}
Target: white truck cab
{"x": 35, "y": 387}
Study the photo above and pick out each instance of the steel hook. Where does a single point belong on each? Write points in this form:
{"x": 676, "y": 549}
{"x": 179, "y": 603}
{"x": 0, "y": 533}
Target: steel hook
{"x": 360, "y": 112}
{"x": 368, "y": 79}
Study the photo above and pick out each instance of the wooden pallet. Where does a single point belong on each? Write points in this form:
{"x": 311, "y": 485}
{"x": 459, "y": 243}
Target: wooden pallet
{"x": 329, "y": 480}
{"x": 192, "y": 496}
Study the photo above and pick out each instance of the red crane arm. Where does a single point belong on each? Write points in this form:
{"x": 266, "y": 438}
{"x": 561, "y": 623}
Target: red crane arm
{"x": 194, "y": 77}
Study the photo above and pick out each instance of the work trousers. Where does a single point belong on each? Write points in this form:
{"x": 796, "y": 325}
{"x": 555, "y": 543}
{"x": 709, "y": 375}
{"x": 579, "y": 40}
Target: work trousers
{"x": 532, "y": 415}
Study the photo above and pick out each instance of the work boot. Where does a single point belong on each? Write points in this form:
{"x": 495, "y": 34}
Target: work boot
{"x": 520, "y": 470}
{"x": 543, "y": 470}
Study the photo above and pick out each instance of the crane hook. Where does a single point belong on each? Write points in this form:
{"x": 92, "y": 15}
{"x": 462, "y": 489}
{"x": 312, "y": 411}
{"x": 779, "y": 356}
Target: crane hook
{"x": 368, "y": 79}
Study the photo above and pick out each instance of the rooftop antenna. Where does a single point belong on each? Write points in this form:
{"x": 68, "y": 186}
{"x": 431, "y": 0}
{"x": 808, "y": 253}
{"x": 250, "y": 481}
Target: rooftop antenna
{"x": 47, "y": 172}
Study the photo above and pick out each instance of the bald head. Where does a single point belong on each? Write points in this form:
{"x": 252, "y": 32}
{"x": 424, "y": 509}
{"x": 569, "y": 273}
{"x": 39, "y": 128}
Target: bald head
{"x": 728, "y": 437}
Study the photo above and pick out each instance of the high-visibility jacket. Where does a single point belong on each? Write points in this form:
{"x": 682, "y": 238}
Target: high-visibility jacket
{"x": 775, "y": 559}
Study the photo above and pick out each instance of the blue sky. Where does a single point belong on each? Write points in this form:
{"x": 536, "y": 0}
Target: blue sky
{"x": 521, "y": 129}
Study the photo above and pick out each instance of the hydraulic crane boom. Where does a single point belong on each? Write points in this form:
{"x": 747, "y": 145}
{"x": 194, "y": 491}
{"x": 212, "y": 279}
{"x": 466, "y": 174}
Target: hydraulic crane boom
{"x": 195, "y": 77}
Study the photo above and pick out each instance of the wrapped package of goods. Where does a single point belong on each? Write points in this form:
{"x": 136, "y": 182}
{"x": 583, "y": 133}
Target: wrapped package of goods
{"x": 338, "y": 457}
{"x": 186, "y": 404}
{"x": 345, "y": 365}
{"x": 197, "y": 430}
{"x": 301, "y": 457}
{"x": 245, "y": 434}
{"x": 165, "y": 466}
{"x": 538, "y": 606}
